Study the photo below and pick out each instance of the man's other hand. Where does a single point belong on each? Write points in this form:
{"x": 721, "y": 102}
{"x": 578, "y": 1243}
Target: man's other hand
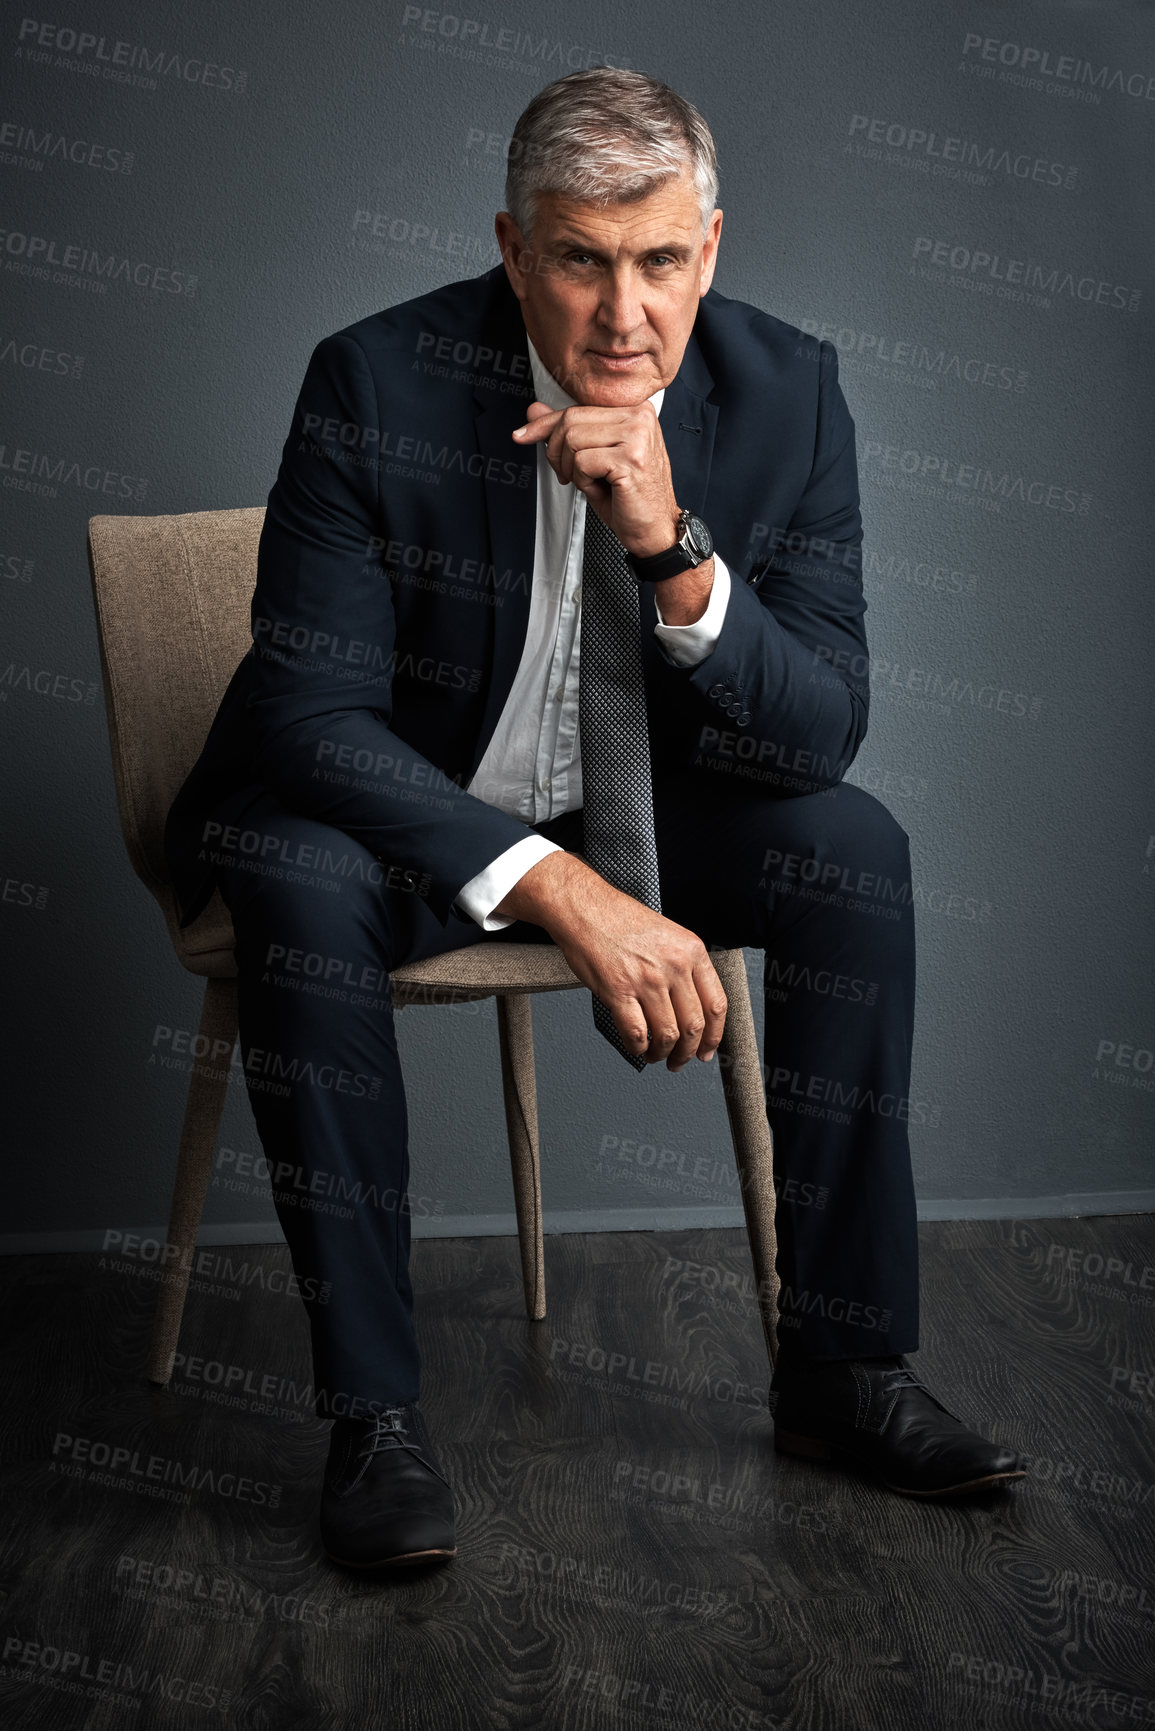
{"x": 617, "y": 458}
{"x": 655, "y": 976}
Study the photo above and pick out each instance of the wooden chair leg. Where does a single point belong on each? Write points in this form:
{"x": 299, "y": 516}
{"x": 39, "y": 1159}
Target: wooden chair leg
{"x": 753, "y": 1147}
{"x": 518, "y": 1081}
{"x": 202, "y": 1116}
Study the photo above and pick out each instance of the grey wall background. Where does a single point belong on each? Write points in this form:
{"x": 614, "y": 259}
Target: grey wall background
{"x": 270, "y": 173}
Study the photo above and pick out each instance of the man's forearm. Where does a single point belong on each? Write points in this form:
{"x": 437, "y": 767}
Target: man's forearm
{"x": 551, "y": 889}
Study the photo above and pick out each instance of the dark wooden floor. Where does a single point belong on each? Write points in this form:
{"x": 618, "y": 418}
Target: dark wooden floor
{"x": 632, "y": 1554}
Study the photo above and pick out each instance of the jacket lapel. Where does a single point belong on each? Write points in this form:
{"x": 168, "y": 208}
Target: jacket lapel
{"x": 511, "y": 511}
{"x": 688, "y": 422}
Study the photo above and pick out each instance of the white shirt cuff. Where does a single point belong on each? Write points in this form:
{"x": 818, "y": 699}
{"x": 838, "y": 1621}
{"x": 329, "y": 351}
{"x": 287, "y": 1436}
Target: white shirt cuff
{"x": 689, "y": 644}
{"x": 481, "y": 894}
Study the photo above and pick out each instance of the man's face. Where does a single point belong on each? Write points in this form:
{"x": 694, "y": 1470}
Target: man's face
{"x": 609, "y": 294}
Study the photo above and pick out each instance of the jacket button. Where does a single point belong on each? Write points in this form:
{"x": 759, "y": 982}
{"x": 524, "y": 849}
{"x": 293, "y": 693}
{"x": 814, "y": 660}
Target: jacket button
{"x": 733, "y": 709}
{"x": 744, "y": 718}
{"x": 715, "y": 691}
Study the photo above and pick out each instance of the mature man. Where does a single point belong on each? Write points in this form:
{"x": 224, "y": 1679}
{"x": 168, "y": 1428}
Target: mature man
{"x": 558, "y": 633}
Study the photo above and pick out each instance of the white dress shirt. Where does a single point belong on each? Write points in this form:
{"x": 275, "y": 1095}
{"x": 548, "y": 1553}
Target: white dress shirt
{"x": 532, "y": 765}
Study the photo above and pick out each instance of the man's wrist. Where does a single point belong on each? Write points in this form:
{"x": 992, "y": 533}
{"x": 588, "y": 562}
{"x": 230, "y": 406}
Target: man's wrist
{"x": 689, "y": 550}
{"x": 683, "y": 600}
{"x": 659, "y": 538}
{"x": 542, "y": 895}
{"x": 534, "y": 895}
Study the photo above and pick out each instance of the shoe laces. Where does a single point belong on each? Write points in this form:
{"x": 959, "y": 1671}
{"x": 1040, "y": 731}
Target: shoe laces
{"x": 902, "y": 1376}
{"x": 390, "y": 1427}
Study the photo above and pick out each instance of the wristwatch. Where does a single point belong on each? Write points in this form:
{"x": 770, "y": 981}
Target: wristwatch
{"x": 694, "y": 544}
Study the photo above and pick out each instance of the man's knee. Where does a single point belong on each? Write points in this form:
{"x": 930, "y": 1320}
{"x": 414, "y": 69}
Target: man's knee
{"x": 870, "y": 825}
{"x": 842, "y": 827}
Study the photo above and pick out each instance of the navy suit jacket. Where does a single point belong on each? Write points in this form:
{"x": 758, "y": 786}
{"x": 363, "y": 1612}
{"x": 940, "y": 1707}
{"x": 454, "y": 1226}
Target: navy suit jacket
{"x": 394, "y": 572}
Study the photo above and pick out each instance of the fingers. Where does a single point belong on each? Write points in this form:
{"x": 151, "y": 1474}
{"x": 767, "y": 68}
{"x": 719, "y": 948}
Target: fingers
{"x": 630, "y": 1021}
{"x": 699, "y": 1006}
{"x": 713, "y": 1000}
{"x": 647, "y": 1023}
{"x": 665, "y": 1035}
{"x": 540, "y": 421}
{"x": 686, "y": 1017}
{"x": 690, "y": 1016}
{"x": 563, "y": 443}
{"x": 589, "y": 429}
{"x": 584, "y": 459}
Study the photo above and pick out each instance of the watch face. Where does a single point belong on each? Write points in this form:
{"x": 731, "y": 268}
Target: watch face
{"x": 700, "y": 536}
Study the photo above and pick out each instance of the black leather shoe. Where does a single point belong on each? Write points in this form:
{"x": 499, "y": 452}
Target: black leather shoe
{"x": 876, "y": 1414}
{"x": 385, "y": 1502}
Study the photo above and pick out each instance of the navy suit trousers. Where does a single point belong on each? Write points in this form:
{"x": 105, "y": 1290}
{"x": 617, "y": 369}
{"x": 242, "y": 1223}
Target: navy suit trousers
{"x": 820, "y": 883}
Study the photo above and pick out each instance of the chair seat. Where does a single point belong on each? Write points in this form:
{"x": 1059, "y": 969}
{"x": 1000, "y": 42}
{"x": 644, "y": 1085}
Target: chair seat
{"x": 206, "y": 947}
{"x": 482, "y": 971}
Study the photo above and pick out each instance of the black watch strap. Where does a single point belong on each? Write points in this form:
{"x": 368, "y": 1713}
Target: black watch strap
{"x": 657, "y": 566}
{"x": 672, "y": 561}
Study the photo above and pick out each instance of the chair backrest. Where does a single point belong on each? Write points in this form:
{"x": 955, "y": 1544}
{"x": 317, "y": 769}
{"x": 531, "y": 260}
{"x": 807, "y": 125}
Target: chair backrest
{"x": 172, "y": 597}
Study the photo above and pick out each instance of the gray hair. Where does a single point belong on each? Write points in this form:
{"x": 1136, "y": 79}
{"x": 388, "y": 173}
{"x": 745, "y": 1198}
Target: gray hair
{"x": 607, "y": 136}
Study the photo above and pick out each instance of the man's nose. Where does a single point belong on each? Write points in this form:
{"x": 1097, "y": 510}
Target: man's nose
{"x": 620, "y": 309}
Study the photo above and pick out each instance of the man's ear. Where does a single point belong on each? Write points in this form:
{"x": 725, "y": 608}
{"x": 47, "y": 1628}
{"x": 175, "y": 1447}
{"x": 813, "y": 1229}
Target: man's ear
{"x": 509, "y": 239}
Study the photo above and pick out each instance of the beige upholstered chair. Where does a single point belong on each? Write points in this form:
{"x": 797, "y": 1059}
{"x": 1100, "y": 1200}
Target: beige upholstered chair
{"x": 172, "y": 597}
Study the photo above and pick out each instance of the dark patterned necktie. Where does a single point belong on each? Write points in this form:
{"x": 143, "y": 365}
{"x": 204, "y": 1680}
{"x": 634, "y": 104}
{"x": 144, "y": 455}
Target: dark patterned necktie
{"x": 617, "y": 799}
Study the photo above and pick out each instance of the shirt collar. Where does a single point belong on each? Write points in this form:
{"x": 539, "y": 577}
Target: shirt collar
{"x": 547, "y": 390}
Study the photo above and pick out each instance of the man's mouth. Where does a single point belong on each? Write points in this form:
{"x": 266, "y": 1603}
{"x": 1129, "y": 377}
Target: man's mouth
{"x": 618, "y": 358}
